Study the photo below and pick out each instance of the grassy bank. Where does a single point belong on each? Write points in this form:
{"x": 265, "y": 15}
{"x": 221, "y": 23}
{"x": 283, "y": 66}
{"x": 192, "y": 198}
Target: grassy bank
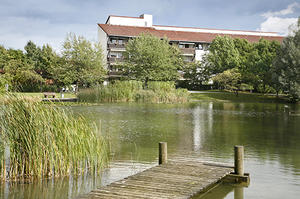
{"x": 132, "y": 91}
{"x": 36, "y": 96}
{"x": 241, "y": 97}
{"x": 45, "y": 140}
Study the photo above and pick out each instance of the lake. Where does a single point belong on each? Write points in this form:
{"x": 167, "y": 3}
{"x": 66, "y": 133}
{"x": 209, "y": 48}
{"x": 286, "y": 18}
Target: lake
{"x": 208, "y": 130}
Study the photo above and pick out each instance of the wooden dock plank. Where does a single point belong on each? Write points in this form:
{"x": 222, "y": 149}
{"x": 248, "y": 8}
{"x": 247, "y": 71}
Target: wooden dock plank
{"x": 180, "y": 179}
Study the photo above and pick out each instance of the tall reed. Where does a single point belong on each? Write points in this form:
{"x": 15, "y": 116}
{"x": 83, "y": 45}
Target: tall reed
{"x": 128, "y": 91}
{"x": 45, "y": 140}
{"x": 118, "y": 91}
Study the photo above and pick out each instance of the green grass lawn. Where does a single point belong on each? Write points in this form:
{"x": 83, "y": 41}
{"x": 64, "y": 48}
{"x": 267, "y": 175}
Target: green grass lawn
{"x": 209, "y": 96}
{"x": 242, "y": 97}
{"x": 41, "y": 95}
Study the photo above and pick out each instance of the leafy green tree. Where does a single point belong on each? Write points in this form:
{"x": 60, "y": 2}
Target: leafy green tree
{"x": 229, "y": 80}
{"x": 33, "y": 53}
{"x": 223, "y": 55}
{"x": 261, "y": 59}
{"x": 4, "y": 79}
{"x": 49, "y": 61}
{"x": 82, "y": 62}
{"x": 3, "y": 55}
{"x": 195, "y": 74}
{"x": 287, "y": 65}
{"x": 20, "y": 73}
{"x": 244, "y": 48}
{"x": 149, "y": 58}
{"x": 44, "y": 59}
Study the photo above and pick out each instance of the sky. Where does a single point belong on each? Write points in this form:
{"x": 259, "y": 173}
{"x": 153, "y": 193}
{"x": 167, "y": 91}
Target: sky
{"x": 49, "y": 21}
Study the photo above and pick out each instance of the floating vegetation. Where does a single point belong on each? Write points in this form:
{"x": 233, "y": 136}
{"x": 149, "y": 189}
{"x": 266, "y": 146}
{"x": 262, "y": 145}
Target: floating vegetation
{"x": 45, "y": 140}
{"x": 129, "y": 91}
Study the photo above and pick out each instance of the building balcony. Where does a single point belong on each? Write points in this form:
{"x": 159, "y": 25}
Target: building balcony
{"x": 115, "y": 73}
{"x": 113, "y": 60}
{"x": 188, "y": 51}
{"x": 117, "y": 46}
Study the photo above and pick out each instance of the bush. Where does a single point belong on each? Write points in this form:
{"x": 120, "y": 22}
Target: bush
{"x": 265, "y": 89}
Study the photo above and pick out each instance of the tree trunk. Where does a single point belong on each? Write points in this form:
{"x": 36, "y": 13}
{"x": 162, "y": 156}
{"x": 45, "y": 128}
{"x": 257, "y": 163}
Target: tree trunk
{"x": 236, "y": 93}
{"x": 146, "y": 83}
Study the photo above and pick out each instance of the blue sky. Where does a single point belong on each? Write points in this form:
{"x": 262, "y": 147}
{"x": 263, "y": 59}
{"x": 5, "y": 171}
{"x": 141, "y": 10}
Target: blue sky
{"x": 48, "y": 21}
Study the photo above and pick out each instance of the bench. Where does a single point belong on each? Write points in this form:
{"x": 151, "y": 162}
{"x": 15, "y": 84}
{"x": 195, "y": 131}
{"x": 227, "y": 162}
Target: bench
{"x": 48, "y": 94}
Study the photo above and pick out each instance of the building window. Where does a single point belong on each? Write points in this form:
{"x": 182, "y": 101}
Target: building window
{"x": 181, "y": 46}
{"x": 200, "y": 47}
{"x": 121, "y": 42}
{"x": 187, "y": 46}
{"x": 188, "y": 59}
{"x": 116, "y": 55}
{"x": 205, "y": 46}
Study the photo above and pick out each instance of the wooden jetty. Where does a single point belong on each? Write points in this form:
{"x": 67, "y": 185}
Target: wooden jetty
{"x": 181, "y": 178}
{"x": 59, "y": 100}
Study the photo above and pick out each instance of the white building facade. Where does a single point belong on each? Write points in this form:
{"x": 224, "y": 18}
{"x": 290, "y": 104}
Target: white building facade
{"x": 193, "y": 42}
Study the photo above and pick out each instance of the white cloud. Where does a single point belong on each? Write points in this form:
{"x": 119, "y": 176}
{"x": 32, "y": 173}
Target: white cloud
{"x": 275, "y": 23}
{"x": 289, "y": 10}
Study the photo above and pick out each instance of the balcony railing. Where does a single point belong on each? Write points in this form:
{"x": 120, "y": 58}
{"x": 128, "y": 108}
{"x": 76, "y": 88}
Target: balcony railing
{"x": 187, "y": 51}
{"x": 111, "y": 45}
{"x": 114, "y": 59}
{"x": 114, "y": 73}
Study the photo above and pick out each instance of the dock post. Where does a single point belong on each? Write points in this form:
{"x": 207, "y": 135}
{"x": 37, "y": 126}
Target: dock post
{"x": 239, "y": 160}
{"x": 163, "y": 153}
{"x": 238, "y": 192}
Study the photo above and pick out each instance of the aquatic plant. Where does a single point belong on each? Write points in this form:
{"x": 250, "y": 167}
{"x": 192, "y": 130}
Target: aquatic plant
{"x": 46, "y": 140}
{"x": 128, "y": 91}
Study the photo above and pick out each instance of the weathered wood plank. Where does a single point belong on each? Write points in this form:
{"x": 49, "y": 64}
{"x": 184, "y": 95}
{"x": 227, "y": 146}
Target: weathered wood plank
{"x": 182, "y": 179}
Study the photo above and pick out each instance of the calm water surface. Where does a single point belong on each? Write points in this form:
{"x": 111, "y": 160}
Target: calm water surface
{"x": 208, "y": 130}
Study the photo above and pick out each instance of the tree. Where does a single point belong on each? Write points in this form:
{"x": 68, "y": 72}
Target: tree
{"x": 287, "y": 65}
{"x": 3, "y": 55}
{"x": 222, "y": 55}
{"x": 44, "y": 60}
{"x": 82, "y": 62}
{"x": 260, "y": 61}
{"x": 195, "y": 74}
{"x": 20, "y": 72}
{"x": 244, "y": 48}
{"x": 229, "y": 80}
{"x": 149, "y": 58}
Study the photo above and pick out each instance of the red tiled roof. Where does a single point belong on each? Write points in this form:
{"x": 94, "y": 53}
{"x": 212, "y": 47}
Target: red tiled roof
{"x": 254, "y": 31}
{"x": 133, "y": 31}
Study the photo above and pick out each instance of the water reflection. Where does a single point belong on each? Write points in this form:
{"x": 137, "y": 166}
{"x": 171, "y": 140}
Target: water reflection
{"x": 69, "y": 187}
{"x": 208, "y": 130}
{"x": 223, "y": 191}
{"x": 198, "y": 128}
{"x": 203, "y": 122}
{"x": 238, "y": 192}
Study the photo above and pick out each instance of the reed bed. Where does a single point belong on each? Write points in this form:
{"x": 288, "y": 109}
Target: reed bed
{"x": 130, "y": 91}
{"x": 45, "y": 140}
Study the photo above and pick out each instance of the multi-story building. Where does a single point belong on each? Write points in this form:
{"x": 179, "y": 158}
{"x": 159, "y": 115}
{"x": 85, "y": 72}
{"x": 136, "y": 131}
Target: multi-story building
{"x": 193, "y": 42}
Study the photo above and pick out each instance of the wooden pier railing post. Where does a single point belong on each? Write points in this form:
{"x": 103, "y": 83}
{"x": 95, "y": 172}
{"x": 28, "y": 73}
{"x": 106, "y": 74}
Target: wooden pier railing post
{"x": 239, "y": 160}
{"x": 163, "y": 153}
{"x": 238, "y": 176}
